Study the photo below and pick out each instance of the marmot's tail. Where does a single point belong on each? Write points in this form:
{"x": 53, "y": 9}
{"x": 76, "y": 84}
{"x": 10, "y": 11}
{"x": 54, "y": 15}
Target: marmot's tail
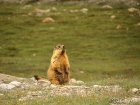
{"x": 38, "y": 78}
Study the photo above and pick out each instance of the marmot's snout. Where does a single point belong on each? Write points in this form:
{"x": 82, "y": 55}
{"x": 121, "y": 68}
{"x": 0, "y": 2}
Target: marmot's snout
{"x": 63, "y": 48}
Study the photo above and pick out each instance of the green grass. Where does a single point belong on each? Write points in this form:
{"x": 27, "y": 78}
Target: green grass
{"x": 11, "y": 98}
{"x": 106, "y": 55}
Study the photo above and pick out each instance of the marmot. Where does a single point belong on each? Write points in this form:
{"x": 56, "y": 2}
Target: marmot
{"x": 59, "y": 69}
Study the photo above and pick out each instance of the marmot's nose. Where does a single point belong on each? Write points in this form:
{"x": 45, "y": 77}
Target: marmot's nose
{"x": 62, "y": 46}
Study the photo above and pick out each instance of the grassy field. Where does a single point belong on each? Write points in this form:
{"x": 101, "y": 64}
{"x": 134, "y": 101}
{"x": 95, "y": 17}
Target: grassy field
{"x": 99, "y": 53}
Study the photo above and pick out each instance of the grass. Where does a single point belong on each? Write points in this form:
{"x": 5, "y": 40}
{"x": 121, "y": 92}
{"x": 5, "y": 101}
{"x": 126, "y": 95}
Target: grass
{"x": 11, "y": 98}
{"x": 104, "y": 54}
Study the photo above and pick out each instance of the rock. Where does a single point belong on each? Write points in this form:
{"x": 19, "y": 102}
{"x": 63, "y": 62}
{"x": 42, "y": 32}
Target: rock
{"x": 1, "y": 94}
{"x": 80, "y": 82}
{"x": 48, "y": 20}
{"x": 15, "y": 83}
{"x": 10, "y": 86}
{"x": 6, "y": 86}
{"x": 53, "y": 86}
{"x": 29, "y": 14}
{"x": 134, "y": 90}
{"x": 138, "y": 24}
{"x": 37, "y": 10}
{"x": 113, "y": 17}
{"x": 74, "y": 11}
{"x": 26, "y": 6}
{"x": 84, "y": 10}
{"x": 114, "y": 88}
{"x": 107, "y": 7}
{"x": 82, "y": 72}
{"x": 119, "y": 26}
{"x": 34, "y": 54}
{"x": 33, "y": 79}
{"x": 44, "y": 83}
{"x": 74, "y": 81}
{"x": 54, "y": 9}
{"x": 132, "y": 10}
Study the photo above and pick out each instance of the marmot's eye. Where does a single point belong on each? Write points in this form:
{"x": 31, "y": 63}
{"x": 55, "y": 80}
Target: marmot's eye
{"x": 57, "y": 46}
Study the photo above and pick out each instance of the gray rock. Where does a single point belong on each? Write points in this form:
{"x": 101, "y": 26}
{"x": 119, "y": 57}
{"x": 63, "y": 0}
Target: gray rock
{"x": 44, "y": 83}
{"x": 114, "y": 88}
{"x": 107, "y": 7}
{"x": 74, "y": 82}
{"x": 84, "y": 10}
{"x": 134, "y": 90}
{"x": 4, "y": 86}
{"x": 10, "y": 85}
{"x": 15, "y": 83}
{"x": 132, "y": 10}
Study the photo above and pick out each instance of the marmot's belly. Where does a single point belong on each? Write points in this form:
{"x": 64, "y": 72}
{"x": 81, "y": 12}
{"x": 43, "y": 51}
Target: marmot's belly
{"x": 62, "y": 77}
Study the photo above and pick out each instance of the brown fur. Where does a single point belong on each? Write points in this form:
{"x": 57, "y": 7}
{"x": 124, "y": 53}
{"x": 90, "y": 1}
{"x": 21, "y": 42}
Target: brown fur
{"x": 59, "y": 69}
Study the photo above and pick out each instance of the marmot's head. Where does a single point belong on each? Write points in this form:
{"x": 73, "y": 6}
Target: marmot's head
{"x": 59, "y": 49}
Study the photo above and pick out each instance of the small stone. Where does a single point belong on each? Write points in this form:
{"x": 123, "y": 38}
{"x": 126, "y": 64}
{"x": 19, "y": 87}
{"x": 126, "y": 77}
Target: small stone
{"x": 15, "y": 83}
{"x": 54, "y": 9}
{"x": 1, "y": 94}
{"x": 44, "y": 82}
{"x": 134, "y": 90}
{"x": 33, "y": 79}
{"x": 84, "y": 10}
{"x": 74, "y": 11}
{"x": 138, "y": 24}
{"x": 48, "y": 20}
{"x": 107, "y": 7}
{"x": 29, "y": 14}
{"x": 113, "y": 17}
{"x": 132, "y": 10}
{"x": 119, "y": 26}
{"x": 96, "y": 86}
{"x": 64, "y": 10}
{"x": 26, "y": 6}
{"x": 53, "y": 86}
{"x": 37, "y": 10}
{"x": 80, "y": 82}
{"x": 34, "y": 54}
{"x": 74, "y": 81}
{"x": 82, "y": 72}
{"x": 39, "y": 14}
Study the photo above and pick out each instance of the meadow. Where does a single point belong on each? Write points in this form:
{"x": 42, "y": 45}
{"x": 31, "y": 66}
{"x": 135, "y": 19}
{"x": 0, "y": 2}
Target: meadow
{"x": 101, "y": 49}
